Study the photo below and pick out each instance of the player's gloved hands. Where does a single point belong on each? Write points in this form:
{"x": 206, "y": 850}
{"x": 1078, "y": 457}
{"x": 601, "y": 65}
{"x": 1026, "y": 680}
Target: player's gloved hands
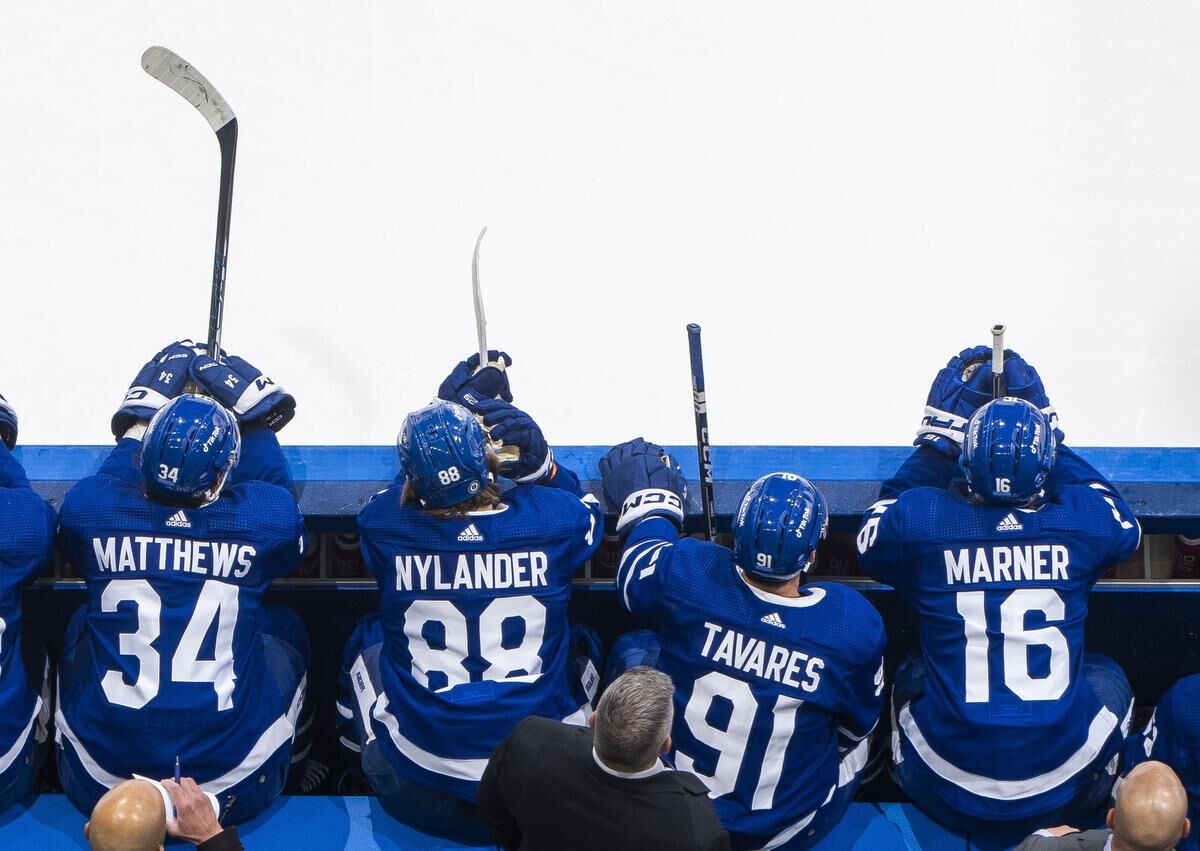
{"x": 158, "y": 382}
{"x": 514, "y": 428}
{"x": 959, "y": 389}
{"x": 1023, "y": 381}
{"x": 8, "y": 423}
{"x": 468, "y": 385}
{"x": 641, "y": 480}
{"x": 253, "y": 397}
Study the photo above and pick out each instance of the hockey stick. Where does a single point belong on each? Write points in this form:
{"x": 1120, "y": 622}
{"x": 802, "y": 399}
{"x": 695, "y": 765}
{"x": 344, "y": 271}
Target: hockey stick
{"x": 703, "y": 449}
{"x": 477, "y": 292}
{"x": 177, "y": 74}
{"x": 999, "y": 390}
{"x": 505, "y": 453}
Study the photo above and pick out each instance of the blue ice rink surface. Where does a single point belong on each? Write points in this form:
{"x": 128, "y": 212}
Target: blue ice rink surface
{"x": 359, "y": 824}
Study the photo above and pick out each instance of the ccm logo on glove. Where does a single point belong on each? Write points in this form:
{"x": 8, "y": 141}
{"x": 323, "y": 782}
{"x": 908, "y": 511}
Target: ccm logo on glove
{"x": 650, "y": 498}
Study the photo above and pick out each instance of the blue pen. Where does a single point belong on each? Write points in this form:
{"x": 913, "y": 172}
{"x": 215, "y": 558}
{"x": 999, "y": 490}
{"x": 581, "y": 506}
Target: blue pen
{"x": 177, "y": 769}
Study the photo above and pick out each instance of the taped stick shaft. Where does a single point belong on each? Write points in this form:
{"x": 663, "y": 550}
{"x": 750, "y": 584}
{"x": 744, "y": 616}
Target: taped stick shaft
{"x": 999, "y": 390}
{"x": 703, "y": 449}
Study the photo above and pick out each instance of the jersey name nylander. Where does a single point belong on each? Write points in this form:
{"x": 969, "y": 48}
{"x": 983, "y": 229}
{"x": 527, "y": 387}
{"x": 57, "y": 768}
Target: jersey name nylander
{"x": 774, "y": 696}
{"x": 1002, "y": 594}
{"x": 173, "y": 605}
{"x": 471, "y": 571}
{"x": 475, "y": 622}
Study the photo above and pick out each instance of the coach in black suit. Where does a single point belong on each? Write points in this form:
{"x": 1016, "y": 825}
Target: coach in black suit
{"x": 552, "y": 786}
{"x": 1150, "y": 815}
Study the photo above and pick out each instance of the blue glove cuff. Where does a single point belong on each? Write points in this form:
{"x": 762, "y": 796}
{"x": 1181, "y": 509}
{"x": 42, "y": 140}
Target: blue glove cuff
{"x": 650, "y": 502}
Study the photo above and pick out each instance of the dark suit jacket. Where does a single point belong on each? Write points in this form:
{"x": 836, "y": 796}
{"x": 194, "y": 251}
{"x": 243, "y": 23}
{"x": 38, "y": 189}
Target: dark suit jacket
{"x": 543, "y": 789}
{"x": 1088, "y": 840}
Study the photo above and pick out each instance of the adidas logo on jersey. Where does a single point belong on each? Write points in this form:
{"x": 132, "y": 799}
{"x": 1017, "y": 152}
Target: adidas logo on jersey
{"x": 1009, "y": 524}
{"x": 773, "y": 619}
{"x": 470, "y": 535}
{"x": 179, "y": 520}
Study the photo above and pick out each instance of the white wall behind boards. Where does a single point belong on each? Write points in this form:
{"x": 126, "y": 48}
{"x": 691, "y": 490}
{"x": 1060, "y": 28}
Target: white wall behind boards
{"x": 841, "y": 194}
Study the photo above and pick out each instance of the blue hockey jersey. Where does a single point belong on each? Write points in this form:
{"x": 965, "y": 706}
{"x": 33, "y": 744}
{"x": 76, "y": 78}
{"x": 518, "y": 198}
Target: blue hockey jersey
{"x": 1173, "y": 736}
{"x": 1007, "y": 724}
{"x": 774, "y": 696}
{"x": 26, "y": 543}
{"x": 475, "y": 618}
{"x": 173, "y": 600}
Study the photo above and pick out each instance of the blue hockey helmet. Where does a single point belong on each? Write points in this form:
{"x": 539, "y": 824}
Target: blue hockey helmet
{"x": 777, "y": 527}
{"x": 188, "y": 450}
{"x": 1008, "y": 452}
{"x": 443, "y": 452}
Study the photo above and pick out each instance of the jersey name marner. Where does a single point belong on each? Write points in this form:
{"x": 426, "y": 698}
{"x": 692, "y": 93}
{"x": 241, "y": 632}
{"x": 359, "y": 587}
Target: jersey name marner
{"x": 142, "y": 553}
{"x": 754, "y": 656}
{"x": 1022, "y": 562}
{"x": 471, "y": 571}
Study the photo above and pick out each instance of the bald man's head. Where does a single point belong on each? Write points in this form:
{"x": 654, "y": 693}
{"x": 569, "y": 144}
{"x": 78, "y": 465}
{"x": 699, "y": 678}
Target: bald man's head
{"x": 130, "y": 817}
{"x": 1151, "y": 810}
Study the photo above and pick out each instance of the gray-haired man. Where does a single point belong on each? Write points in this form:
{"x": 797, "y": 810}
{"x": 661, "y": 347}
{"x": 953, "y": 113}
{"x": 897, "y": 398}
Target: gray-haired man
{"x": 551, "y": 785}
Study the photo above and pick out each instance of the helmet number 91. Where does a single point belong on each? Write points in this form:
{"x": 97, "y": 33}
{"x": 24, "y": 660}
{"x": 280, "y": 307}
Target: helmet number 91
{"x": 168, "y": 473}
{"x": 763, "y": 559}
{"x": 449, "y": 475}
{"x": 1003, "y": 486}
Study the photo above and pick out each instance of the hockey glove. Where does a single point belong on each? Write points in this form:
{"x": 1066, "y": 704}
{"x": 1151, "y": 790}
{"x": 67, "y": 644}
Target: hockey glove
{"x": 158, "y": 382}
{"x": 253, "y": 397}
{"x": 1023, "y": 381}
{"x": 468, "y": 385}
{"x": 516, "y": 429}
{"x": 8, "y": 423}
{"x": 641, "y": 480}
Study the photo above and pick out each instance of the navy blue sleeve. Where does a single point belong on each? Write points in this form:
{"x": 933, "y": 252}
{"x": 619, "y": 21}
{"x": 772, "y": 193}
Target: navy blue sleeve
{"x": 882, "y": 545}
{"x": 262, "y": 460}
{"x": 122, "y": 462}
{"x": 12, "y": 474}
{"x": 645, "y": 568}
{"x": 562, "y": 478}
{"x": 1070, "y": 469}
{"x": 925, "y": 467}
{"x": 585, "y": 530}
{"x": 1072, "y": 474}
{"x": 27, "y": 521}
{"x": 370, "y": 525}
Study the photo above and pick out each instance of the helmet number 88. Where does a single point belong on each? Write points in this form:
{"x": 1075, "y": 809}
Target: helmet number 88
{"x": 450, "y": 474}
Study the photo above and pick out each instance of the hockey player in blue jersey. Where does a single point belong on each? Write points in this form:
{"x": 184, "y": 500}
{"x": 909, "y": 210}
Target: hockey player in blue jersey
{"x": 26, "y": 543}
{"x": 778, "y": 682}
{"x": 1172, "y": 736}
{"x": 475, "y": 574}
{"x": 1003, "y": 720}
{"x": 178, "y": 535}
